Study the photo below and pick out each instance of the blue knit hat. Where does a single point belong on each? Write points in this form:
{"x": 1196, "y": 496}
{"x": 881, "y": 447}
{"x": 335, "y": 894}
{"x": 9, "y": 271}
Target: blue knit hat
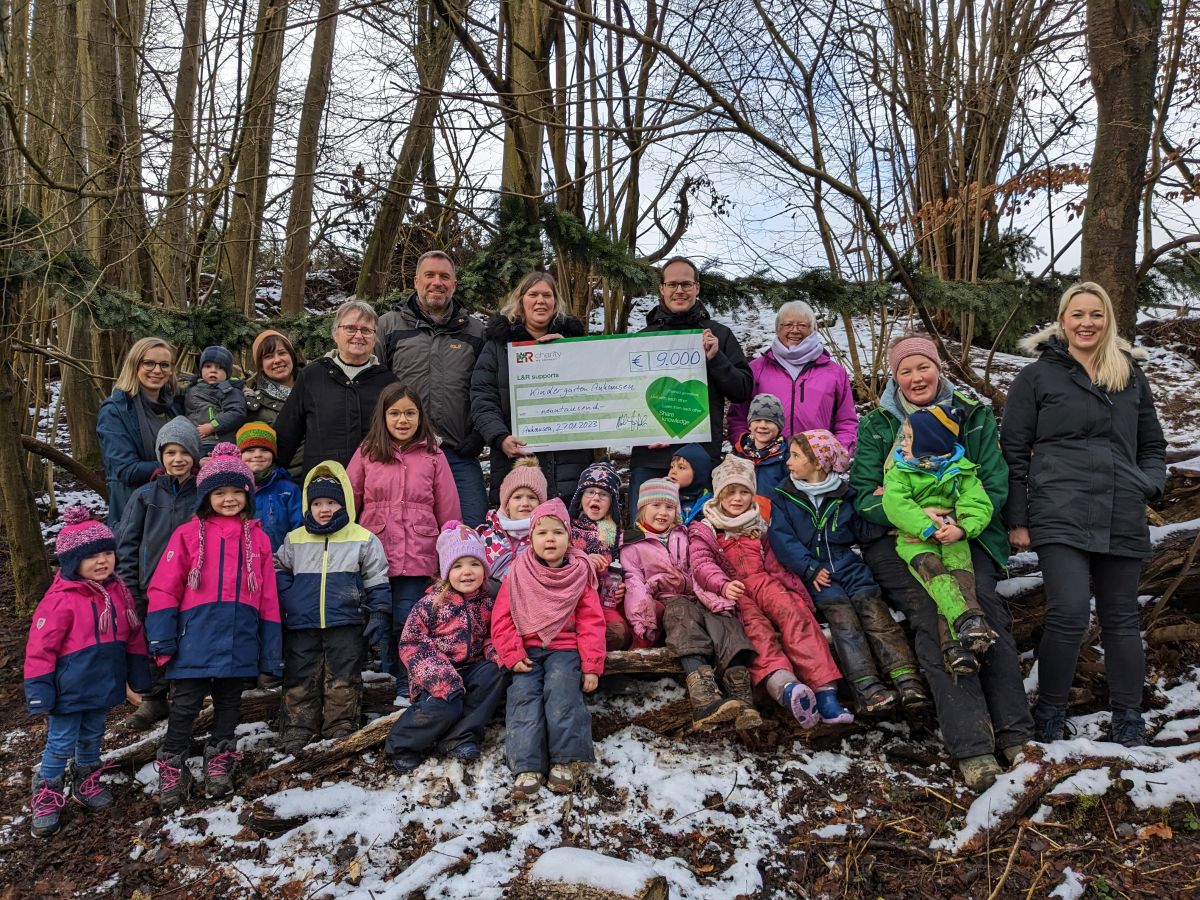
{"x": 935, "y": 431}
{"x": 696, "y": 456}
{"x": 218, "y": 355}
{"x": 328, "y": 487}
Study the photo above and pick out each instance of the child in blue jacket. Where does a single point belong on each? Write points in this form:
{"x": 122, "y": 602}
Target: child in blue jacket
{"x": 276, "y": 497}
{"x": 691, "y": 470}
{"x": 813, "y": 531}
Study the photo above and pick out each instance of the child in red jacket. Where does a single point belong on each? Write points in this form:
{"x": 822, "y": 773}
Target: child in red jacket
{"x": 85, "y": 644}
{"x": 548, "y": 629}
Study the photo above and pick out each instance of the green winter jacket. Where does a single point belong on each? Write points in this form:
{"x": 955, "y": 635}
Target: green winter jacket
{"x": 908, "y": 489}
{"x": 980, "y": 439}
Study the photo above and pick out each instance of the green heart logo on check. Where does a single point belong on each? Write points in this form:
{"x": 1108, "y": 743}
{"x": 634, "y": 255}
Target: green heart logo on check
{"x": 679, "y": 406}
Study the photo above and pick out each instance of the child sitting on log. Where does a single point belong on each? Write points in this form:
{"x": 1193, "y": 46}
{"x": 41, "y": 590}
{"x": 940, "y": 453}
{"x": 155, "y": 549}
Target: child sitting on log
{"x": 505, "y": 530}
{"x": 596, "y": 530}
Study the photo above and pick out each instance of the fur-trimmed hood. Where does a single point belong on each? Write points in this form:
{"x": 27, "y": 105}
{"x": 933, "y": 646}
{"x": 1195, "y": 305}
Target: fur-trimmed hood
{"x": 1034, "y": 344}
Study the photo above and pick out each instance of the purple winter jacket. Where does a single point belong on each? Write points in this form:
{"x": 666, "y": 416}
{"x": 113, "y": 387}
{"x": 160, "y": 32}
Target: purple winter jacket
{"x": 819, "y": 397}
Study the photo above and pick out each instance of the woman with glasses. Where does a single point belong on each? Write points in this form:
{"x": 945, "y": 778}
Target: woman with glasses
{"x": 145, "y": 398}
{"x": 796, "y": 368}
{"x": 328, "y": 411}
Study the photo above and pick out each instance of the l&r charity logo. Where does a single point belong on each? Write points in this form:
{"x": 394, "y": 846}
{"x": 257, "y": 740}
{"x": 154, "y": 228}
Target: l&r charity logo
{"x": 528, "y": 356}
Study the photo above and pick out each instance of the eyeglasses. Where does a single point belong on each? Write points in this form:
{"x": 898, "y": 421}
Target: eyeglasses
{"x": 364, "y": 330}
{"x": 150, "y": 364}
{"x": 679, "y": 285}
{"x": 795, "y": 326}
{"x": 594, "y": 494}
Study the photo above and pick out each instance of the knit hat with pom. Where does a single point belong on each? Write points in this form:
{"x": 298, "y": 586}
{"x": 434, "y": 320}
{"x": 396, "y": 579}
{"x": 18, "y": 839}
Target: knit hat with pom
{"x": 257, "y": 434}
{"x": 81, "y": 537}
{"x": 225, "y": 469}
{"x": 456, "y": 541}
{"x": 525, "y": 473}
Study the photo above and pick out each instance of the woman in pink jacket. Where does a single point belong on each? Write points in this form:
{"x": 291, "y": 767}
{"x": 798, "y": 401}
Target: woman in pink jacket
{"x": 404, "y": 493}
{"x": 813, "y": 388}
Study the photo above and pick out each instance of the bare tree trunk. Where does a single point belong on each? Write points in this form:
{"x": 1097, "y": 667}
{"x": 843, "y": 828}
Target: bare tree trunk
{"x": 1123, "y": 52}
{"x": 254, "y": 158}
{"x": 435, "y": 42}
{"x": 530, "y": 28}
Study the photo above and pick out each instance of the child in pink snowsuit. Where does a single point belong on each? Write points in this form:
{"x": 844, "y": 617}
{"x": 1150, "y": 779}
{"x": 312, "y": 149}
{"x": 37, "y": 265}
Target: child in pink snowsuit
{"x": 730, "y": 557}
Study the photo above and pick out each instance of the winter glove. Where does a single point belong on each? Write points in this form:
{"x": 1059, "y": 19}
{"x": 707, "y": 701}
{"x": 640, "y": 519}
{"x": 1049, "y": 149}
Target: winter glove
{"x": 377, "y": 627}
{"x": 162, "y": 659}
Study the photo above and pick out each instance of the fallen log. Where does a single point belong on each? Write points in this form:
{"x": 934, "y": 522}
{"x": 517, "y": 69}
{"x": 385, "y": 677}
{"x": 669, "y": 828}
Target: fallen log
{"x": 78, "y": 470}
{"x": 650, "y": 661}
{"x": 569, "y": 873}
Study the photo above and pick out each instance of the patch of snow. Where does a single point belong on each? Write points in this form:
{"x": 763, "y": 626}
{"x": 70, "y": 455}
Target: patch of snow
{"x": 1072, "y": 887}
{"x": 571, "y": 865}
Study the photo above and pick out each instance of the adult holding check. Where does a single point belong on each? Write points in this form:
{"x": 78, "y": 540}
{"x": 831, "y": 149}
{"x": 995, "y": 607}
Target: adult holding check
{"x": 534, "y": 311}
{"x": 729, "y": 375}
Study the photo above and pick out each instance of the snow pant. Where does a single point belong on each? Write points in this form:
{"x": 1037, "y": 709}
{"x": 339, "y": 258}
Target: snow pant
{"x": 322, "y": 678}
{"x": 546, "y": 720}
{"x": 187, "y": 696}
{"x": 618, "y": 633}
{"x": 864, "y": 631}
{"x": 1070, "y": 575}
{"x": 692, "y": 629}
{"x": 406, "y": 591}
{"x": 976, "y": 713}
{"x": 785, "y": 634}
{"x": 459, "y": 719}
{"x": 946, "y": 572}
{"x": 75, "y": 736}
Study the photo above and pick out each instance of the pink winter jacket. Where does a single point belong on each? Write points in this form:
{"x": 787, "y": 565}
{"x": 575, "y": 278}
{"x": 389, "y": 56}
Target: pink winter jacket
{"x": 712, "y": 568}
{"x": 583, "y": 632}
{"x": 405, "y": 502}
{"x": 820, "y": 397}
{"x": 654, "y": 571}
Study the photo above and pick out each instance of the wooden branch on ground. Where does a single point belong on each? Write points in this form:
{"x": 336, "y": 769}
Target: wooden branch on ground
{"x": 81, "y": 472}
{"x": 651, "y": 661}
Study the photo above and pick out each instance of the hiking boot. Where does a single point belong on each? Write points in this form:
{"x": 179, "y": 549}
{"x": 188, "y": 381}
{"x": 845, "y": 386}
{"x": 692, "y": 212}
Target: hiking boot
{"x": 1127, "y": 728}
{"x": 562, "y": 778}
{"x": 958, "y": 660}
{"x": 1012, "y": 754}
{"x": 980, "y": 772}
{"x": 174, "y": 780}
{"x": 220, "y": 765}
{"x": 873, "y": 697}
{"x": 709, "y": 708}
{"x": 294, "y": 740}
{"x": 406, "y": 763}
{"x": 88, "y": 789}
{"x": 337, "y": 733}
{"x": 527, "y": 785}
{"x": 47, "y": 803}
{"x": 151, "y": 711}
{"x": 830, "y": 711}
{"x": 1049, "y": 723}
{"x": 736, "y": 681}
{"x": 799, "y": 699}
{"x": 975, "y": 633}
{"x": 913, "y": 694}
{"x": 466, "y": 751}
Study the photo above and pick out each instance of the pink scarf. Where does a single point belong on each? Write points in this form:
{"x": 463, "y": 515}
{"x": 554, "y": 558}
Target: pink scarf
{"x": 542, "y": 599}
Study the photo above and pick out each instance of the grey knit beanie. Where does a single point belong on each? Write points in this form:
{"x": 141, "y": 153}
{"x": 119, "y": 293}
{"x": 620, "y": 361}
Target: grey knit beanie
{"x": 768, "y": 408}
{"x": 182, "y": 431}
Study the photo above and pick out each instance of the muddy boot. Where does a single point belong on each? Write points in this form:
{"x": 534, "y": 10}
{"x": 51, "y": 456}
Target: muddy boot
{"x": 88, "y": 789}
{"x": 980, "y": 772}
{"x": 47, "y": 803}
{"x": 174, "y": 780}
{"x": 958, "y": 660}
{"x": 220, "y": 764}
{"x": 151, "y": 711}
{"x": 709, "y": 708}
{"x": 294, "y": 740}
{"x": 913, "y": 694}
{"x": 736, "y": 682}
{"x": 975, "y": 633}
{"x": 873, "y": 697}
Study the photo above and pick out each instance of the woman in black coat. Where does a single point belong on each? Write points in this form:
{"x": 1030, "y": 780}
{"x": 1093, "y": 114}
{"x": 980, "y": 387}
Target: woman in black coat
{"x": 534, "y": 311}
{"x": 1085, "y": 453}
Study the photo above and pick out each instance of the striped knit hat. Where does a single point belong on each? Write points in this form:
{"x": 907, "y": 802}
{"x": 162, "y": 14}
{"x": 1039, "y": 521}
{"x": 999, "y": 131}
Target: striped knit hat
{"x": 257, "y": 434}
{"x": 658, "y": 489}
{"x": 81, "y": 537}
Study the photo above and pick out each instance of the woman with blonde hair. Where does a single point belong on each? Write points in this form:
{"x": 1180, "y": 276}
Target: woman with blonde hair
{"x": 1085, "y": 454}
{"x": 145, "y": 397}
{"x": 533, "y": 311}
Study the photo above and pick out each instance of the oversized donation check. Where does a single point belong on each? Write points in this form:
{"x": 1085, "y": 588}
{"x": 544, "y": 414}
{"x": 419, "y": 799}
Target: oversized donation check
{"x": 609, "y": 390}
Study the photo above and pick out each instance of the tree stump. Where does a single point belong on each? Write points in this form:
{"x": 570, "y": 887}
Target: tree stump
{"x": 569, "y": 872}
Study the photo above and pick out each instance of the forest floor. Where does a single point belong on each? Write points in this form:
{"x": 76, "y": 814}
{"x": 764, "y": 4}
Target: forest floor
{"x": 871, "y": 809}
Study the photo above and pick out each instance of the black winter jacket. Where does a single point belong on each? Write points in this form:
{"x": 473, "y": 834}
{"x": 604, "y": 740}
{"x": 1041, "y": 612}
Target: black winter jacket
{"x": 437, "y": 361}
{"x": 328, "y": 413}
{"x": 1082, "y": 461}
{"x": 492, "y": 412}
{"x": 729, "y": 378}
{"x": 150, "y": 518}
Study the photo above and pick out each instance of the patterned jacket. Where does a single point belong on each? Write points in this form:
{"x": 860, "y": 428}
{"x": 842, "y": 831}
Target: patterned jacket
{"x": 500, "y": 547}
{"x": 445, "y": 630}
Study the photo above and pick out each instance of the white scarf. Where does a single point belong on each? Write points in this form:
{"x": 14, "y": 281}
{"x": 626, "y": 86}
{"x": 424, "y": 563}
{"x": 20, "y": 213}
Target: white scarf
{"x": 817, "y": 491}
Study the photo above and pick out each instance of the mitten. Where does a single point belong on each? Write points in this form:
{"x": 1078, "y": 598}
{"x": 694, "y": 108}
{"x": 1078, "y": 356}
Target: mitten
{"x": 377, "y": 627}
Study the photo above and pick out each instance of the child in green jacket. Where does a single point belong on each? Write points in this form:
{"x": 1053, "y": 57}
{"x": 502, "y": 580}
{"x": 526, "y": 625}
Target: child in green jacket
{"x": 929, "y": 471}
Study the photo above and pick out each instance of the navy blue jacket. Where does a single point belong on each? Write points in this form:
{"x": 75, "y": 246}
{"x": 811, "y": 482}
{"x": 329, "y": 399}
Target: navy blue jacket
{"x": 277, "y": 505}
{"x": 126, "y": 467}
{"x": 153, "y": 513}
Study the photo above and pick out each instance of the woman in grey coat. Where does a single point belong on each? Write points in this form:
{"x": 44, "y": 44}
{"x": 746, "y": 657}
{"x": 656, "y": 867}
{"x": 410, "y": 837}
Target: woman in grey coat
{"x": 1085, "y": 453}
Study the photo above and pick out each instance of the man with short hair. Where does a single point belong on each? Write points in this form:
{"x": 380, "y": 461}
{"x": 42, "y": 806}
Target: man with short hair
{"x": 430, "y": 342}
{"x": 729, "y": 375}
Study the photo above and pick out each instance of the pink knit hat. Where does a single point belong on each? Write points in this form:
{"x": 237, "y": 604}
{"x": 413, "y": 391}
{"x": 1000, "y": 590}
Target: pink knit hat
{"x": 913, "y": 345}
{"x": 225, "y": 469}
{"x": 81, "y": 537}
{"x": 525, "y": 473}
{"x": 456, "y": 541}
{"x": 552, "y": 507}
{"x": 734, "y": 470}
{"x": 830, "y": 453}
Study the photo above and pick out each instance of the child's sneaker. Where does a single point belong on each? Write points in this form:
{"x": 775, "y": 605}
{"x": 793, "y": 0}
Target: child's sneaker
{"x": 465, "y": 751}
{"x": 975, "y": 633}
{"x": 800, "y": 700}
{"x": 174, "y": 780}
{"x": 737, "y": 685}
{"x": 958, "y": 660}
{"x": 873, "y": 697}
{"x": 47, "y": 803}
{"x": 832, "y": 712}
{"x": 527, "y": 785}
{"x": 562, "y": 778}
{"x": 88, "y": 789}
{"x": 220, "y": 765}
{"x": 913, "y": 694}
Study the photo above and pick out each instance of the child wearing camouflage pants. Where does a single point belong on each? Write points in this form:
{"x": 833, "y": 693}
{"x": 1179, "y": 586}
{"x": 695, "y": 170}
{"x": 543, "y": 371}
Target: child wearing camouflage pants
{"x": 929, "y": 471}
